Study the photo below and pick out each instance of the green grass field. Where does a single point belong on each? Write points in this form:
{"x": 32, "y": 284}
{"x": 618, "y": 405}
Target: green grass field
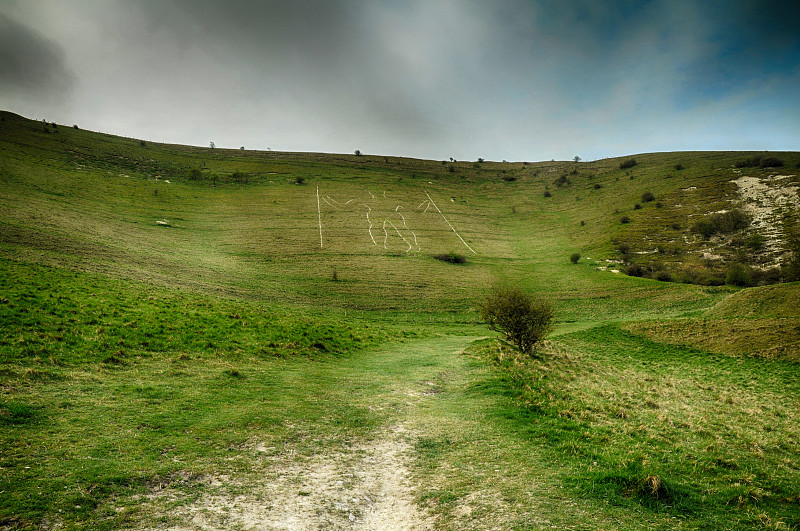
{"x": 273, "y": 340}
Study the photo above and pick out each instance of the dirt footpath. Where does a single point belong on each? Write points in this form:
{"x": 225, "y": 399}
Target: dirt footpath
{"x": 363, "y": 488}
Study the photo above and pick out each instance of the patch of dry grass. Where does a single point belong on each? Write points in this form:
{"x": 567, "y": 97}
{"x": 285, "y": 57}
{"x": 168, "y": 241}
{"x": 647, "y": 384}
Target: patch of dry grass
{"x": 764, "y": 338}
{"x": 668, "y": 429}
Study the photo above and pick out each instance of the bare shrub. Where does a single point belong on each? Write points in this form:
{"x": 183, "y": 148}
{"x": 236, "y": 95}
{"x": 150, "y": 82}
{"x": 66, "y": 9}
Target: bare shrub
{"x": 524, "y": 320}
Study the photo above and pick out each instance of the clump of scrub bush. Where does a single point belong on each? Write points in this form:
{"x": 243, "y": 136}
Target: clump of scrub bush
{"x": 562, "y": 181}
{"x": 771, "y": 162}
{"x": 759, "y": 162}
{"x": 755, "y": 242}
{"x": 655, "y": 270}
{"x": 699, "y": 275}
{"x": 738, "y": 275}
{"x": 752, "y": 162}
{"x": 791, "y": 268}
{"x": 524, "y": 320}
{"x": 647, "y": 197}
{"x": 722, "y": 223}
{"x": 574, "y": 257}
{"x": 634, "y": 270}
{"x": 451, "y": 258}
{"x": 630, "y": 163}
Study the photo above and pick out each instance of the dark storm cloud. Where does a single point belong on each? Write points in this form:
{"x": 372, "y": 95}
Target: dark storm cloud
{"x": 751, "y": 42}
{"x": 31, "y": 66}
{"x": 319, "y": 58}
{"x": 513, "y": 79}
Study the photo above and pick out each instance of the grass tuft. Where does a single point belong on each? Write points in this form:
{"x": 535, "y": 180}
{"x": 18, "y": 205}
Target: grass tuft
{"x": 16, "y": 413}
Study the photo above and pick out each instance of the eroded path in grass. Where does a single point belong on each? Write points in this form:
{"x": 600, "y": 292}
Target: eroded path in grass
{"x": 330, "y": 479}
{"x": 365, "y": 486}
{"x": 412, "y": 437}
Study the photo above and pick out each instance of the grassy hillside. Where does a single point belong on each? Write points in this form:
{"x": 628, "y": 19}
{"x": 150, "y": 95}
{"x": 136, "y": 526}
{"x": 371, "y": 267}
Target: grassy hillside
{"x": 753, "y": 322}
{"x": 167, "y": 311}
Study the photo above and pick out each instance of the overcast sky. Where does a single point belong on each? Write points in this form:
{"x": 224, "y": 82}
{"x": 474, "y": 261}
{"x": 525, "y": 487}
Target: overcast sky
{"x": 499, "y": 79}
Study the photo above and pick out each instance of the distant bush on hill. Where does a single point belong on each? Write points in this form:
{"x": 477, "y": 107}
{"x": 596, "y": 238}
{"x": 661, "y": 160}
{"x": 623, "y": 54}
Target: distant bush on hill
{"x": 738, "y": 275}
{"x": 630, "y": 163}
{"x": 562, "y": 181}
{"x": 700, "y": 275}
{"x": 743, "y": 276}
{"x": 752, "y": 162}
{"x": 451, "y": 258}
{"x": 722, "y": 223}
{"x": 759, "y": 162}
{"x": 771, "y": 162}
{"x": 791, "y": 265}
{"x": 634, "y": 270}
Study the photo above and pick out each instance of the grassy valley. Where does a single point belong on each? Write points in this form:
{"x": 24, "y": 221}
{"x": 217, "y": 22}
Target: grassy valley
{"x": 197, "y": 338}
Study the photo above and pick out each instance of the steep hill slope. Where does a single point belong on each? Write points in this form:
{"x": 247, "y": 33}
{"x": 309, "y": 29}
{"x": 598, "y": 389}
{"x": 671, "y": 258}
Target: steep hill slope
{"x": 277, "y": 226}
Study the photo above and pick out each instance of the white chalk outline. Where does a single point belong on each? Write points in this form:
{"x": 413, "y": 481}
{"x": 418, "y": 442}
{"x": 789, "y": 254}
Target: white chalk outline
{"x": 319, "y": 216}
{"x": 397, "y": 211}
{"x": 448, "y": 223}
{"x": 398, "y": 233}
{"x": 369, "y": 229}
{"x": 385, "y": 235}
{"x": 330, "y": 201}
